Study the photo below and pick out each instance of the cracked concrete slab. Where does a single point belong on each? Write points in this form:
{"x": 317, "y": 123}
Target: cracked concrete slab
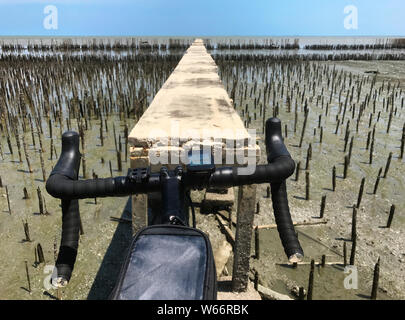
{"x": 193, "y": 101}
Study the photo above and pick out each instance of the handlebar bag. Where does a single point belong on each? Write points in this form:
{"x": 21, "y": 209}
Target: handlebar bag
{"x": 168, "y": 262}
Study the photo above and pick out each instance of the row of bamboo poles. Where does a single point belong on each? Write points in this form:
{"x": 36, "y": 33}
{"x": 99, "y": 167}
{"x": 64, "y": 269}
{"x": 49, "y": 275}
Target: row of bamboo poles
{"x": 360, "y": 116}
{"x": 43, "y": 96}
{"x": 139, "y": 44}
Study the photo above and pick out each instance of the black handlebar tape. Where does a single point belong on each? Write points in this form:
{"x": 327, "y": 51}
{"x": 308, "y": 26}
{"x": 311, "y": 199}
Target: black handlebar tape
{"x": 285, "y": 226}
{"x": 69, "y": 160}
{"x": 280, "y": 166}
{"x": 70, "y": 239}
{"x": 277, "y": 152}
{"x": 275, "y": 146}
{"x": 68, "y": 167}
{"x": 62, "y": 187}
{"x": 279, "y": 170}
{"x": 59, "y": 186}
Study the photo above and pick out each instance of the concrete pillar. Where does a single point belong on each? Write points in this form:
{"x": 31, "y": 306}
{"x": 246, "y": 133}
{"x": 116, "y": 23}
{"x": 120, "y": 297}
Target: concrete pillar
{"x": 243, "y": 238}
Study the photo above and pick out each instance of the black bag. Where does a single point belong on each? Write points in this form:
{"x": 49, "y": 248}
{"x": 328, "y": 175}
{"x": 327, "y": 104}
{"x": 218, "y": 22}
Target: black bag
{"x": 168, "y": 262}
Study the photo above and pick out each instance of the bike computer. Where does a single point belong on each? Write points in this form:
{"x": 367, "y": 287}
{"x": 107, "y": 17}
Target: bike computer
{"x": 200, "y": 166}
{"x": 200, "y": 160}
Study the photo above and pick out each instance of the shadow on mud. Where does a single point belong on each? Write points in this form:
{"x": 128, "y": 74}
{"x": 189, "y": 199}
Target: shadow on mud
{"x": 111, "y": 265}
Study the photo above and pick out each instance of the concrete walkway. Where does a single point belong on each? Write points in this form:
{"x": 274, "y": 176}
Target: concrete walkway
{"x": 194, "y": 96}
{"x": 194, "y": 105}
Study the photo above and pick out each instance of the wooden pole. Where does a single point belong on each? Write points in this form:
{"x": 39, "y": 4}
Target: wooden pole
{"x": 303, "y": 128}
{"x": 377, "y": 181}
{"x": 26, "y": 231}
{"x": 391, "y": 216}
{"x": 321, "y": 135}
{"x": 311, "y": 281}
{"x": 27, "y": 157}
{"x": 363, "y": 181}
{"x": 257, "y": 243}
{"x": 309, "y": 156}
{"x": 354, "y": 223}
{"x": 40, "y": 201}
{"x": 371, "y": 152}
{"x": 257, "y": 207}
{"x": 28, "y": 276}
{"x": 368, "y": 140}
{"x": 243, "y": 236}
{"x": 387, "y": 166}
{"x": 297, "y": 171}
{"x": 119, "y": 163}
{"x": 307, "y": 186}
{"x": 376, "y": 277}
{"x": 346, "y": 166}
{"x": 256, "y": 282}
{"x": 42, "y": 165}
{"x": 323, "y": 204}
{"x": 26, "y": 196}
{"x": 8, "y": 200}
{"x": 353, "y": 251}
{"x": 41, "y": 258}
{"x": 344, "y": 254}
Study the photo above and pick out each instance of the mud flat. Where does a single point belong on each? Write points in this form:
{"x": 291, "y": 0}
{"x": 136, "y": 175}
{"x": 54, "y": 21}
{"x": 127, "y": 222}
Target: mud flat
{"x": 284, "y": 89}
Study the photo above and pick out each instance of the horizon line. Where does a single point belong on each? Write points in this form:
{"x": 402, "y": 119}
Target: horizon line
{"x": 211, "y": 36}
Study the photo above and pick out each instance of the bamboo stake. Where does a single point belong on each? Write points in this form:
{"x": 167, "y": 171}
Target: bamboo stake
{"x": 41, "y": 258}
{"x": 28, "y": 276}
{"x": 344, "y": 254}
{"x": 297, "y": 171}
{"x": 26, "y": 231}
{"x": 40, "y": 201}
{"x": 346, "y": 166}
{"x": 42, "y": 165}
{"x": 353, "y": 251}
{"x": 257, "y": 243}
{"x": 323, "y": 204}
{"x": 354, "y": 223}
{"x": 8, "y": 200}
{"x": 311, "y": 281}
{"x": 307, "y": 186}
{"x": 303, "y": 128}
{"x": 377, "y": 181}
{"x": 387, "y": 166}
{"x": 376, "y": 277}
{"x": 363, "y": 181}
{"x": 391, "y": 216}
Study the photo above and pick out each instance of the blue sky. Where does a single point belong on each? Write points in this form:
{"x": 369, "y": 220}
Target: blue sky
{"x": 202, "y": 17}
